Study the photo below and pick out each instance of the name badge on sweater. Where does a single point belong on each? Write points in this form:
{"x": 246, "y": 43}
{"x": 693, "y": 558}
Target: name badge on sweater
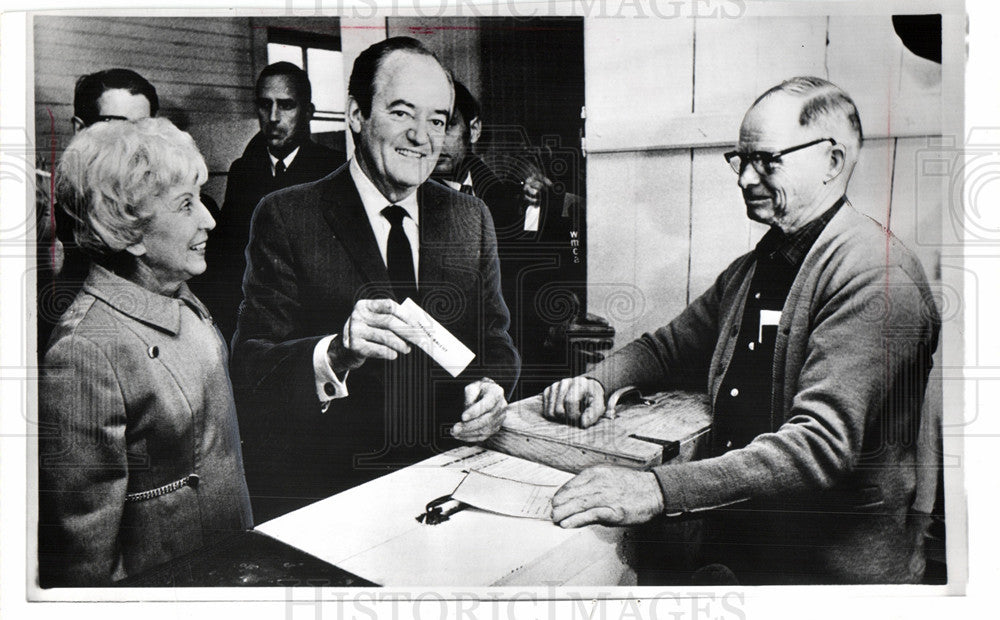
{"x": 770, "y": 319}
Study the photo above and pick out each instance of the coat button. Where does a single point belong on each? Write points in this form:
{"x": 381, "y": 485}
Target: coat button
{"x": 328, "y": 388}
{"x": 729, "y": 444}
{"x": 756, "y": 295}
{"x": 734, "y": 392}
{"x": 751, "y": 345}
{"x": 153, "y": 351}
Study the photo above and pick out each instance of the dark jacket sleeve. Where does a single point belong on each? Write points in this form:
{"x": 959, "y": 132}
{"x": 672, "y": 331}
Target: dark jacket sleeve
{"x": 501, "y": 360}
{"x": 269, "y": 360}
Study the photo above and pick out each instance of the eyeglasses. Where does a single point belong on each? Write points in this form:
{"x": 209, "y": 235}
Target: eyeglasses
{"x": 762, "y": 161}
{"x": 105, "y": 118}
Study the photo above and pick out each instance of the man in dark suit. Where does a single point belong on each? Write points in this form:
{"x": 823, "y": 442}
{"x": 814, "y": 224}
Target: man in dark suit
{"x": 815, "y": 348}
{"x": 282, "y": 154}
{"x": 330, "y": 390}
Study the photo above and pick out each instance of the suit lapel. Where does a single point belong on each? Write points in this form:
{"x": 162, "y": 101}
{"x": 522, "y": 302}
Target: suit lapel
{"x": 343, "y": 211}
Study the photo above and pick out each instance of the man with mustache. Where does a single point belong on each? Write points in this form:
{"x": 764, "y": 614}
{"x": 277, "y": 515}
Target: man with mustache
{"x": 282, "y": 154}
{"x": 331, "y": 390}
{"x": 815, "y": 348}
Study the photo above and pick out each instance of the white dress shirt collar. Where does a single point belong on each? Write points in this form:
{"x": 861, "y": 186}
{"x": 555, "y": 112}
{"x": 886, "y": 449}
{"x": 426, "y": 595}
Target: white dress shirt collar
{"x": 288, "y": 159}
{"x": 455, "y": 185}
{"x": 374, "y": 201}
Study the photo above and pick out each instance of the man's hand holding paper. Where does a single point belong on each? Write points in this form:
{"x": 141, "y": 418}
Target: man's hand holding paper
{"x": 609, "y": 495}
{"x": 484, "y": 400}
{"x": 441, "y": 345}
{"x": 384, "y": 329}
{"x": 377, "y": 328}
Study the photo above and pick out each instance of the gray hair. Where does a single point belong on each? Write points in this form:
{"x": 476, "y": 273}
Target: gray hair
{"x": 823, "y": 104}
{"x": 110, "y": 170}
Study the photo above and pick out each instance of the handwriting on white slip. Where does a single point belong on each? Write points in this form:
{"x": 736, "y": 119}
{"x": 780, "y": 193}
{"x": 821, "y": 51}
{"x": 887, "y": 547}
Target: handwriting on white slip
{"x": 508, "y": 497}
{"x": 436, "y": 341}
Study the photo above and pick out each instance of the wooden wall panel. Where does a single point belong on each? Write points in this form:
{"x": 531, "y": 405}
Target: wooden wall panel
{"x": 737, "y": 59}
{"x": 897, "y": 92}
{"x": 638, "y": 222}
{"x": 638, "y": 78}
{"x": 869, "y": 190}
{"x": 201, "y": 68}
{"x": 917, "y": 210}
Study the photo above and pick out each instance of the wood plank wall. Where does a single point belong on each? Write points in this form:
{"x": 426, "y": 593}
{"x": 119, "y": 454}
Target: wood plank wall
{"x": 201, "y": 69}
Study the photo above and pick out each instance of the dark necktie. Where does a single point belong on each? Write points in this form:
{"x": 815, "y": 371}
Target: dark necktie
{"x": 466, "y": 189}
{"x": 399, "y": 255}
{"x": 279, "y": 171}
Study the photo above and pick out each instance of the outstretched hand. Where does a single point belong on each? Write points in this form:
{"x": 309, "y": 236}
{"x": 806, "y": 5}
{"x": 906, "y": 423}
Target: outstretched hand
{"x": 609, "y": 495}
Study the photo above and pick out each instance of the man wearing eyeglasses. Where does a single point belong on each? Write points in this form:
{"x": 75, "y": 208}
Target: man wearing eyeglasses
{"x": 816, "y": 347}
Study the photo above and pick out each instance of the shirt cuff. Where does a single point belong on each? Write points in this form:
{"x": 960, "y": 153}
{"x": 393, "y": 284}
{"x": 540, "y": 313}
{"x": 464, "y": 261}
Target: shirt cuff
{"x": 531, "y": 217}
{"x": 328, "y": 386}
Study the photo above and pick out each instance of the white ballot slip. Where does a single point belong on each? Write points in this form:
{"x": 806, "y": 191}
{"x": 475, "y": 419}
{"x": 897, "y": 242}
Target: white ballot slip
{"x": 508, "y": 497}
{"x": 436, "y": 341}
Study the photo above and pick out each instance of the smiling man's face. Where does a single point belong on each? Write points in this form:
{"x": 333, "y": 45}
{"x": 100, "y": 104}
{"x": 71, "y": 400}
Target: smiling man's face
{"x": 789, "y": 192}
{"x": 400, "y": 141}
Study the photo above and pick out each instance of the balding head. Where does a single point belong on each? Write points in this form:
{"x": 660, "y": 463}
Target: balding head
{"x": 802, "y": 137}
{"x": 826, "y": 107}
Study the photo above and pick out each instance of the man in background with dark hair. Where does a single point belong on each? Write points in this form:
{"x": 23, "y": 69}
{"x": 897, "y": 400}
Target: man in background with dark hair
{"x": 282, "y": 154}
{"x": 113, "y": 94}
{"x": 511, "y": 203}
{"x": 330, "y": 390}
{"x": 108, "y": 95}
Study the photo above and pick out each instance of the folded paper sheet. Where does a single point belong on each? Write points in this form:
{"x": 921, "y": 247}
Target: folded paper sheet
{"x": 507, "y": 497}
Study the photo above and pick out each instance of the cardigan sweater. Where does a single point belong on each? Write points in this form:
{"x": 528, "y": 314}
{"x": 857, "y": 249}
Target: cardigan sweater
{"x": 852, "y": 356}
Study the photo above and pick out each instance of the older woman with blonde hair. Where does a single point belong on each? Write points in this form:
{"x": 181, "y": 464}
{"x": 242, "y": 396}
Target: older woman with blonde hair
{"x": 139, "y": 452}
